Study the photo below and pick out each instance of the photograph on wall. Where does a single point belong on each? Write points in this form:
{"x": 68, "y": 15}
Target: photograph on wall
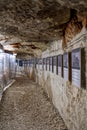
{"x": 12, "y": 63}
{"x": 28, "y": 63}
{"x": 31, "y": 62}
{"x": 47, "y": 61}
{"x": 35, "y": 62}
{"x": 54, "y": 64}
{"x": 1, "y": 66}
{"x": 76, "y": 67}
{"x": 66, "y": 66}
{"x": 60, "y": 65}
{"x": 7, "y": 67}
{"x": 44, "y": 63}
{"x": 40, "y": 62}
{"x": 50, "y": 64}
{"x": 25, "y": 62}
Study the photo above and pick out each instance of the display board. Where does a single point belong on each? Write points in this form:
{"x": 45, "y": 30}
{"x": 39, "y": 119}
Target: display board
{"x": 25, "y": 63}
{"x": 60, "y": 65}
{"x": 50, "y": 63}
{"x": 35, "y": 62}
{"x": 55, "y": 64}
{"x": 20, "y": 63}
{"x": 40, "y": 63}
{"x": 44, "y": 63}
{"x": 1, "y": 68}
{"x": 66, "y": 66}
{"x": 31, "y": 62}
{"x": 12, "y": 66}
{"x": 76, "y": 67}
{"x": 28, "y": 63}
{"x": 47, "y": 63}
{"x": 7, "y": 67}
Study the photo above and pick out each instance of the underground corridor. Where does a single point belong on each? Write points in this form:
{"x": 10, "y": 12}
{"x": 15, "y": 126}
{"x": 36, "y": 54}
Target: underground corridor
{"x": 25, "y": 106}
{"x": 43, "y": 65}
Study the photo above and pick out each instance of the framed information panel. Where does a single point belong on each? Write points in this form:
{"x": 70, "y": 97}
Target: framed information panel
{"x": 40, "y": 63}
{"x": 3, "y": 66}
{"x": 28, "y": 63}
{"x": 31, "y": 62}
{"x": 35, "y": 62}
{"x": 76, "y": 67}
{"x": 25, "y": 63}
{"x": 50, "y": 63}
{"x": 55, "y": 64}
{"x": 66, "y": 66}
{"x": 47, "y": 62}
{"x": 60, "y": 59}
{"x": 20, "y": 63}
{"x": 44, "y": 63}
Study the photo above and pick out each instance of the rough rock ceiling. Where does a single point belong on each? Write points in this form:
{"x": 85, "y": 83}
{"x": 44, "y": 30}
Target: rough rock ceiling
{"x": 28, "y": 25}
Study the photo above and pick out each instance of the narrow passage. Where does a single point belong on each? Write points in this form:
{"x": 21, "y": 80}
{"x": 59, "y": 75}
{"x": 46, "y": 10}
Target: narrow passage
{"x": 25, "y": 106}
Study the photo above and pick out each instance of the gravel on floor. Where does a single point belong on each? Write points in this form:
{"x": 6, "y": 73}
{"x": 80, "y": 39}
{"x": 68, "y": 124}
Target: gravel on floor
{"x": 25, "y": 106}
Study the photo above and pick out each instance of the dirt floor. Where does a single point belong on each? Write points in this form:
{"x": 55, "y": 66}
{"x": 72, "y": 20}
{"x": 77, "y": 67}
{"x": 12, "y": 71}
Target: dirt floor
{"x": 25, "y": 106}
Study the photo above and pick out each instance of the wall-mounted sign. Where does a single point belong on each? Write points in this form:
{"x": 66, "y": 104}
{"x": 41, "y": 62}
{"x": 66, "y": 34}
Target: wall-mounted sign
{"x": 31, "y": 62}
{"x": 35, "y": 62}
{"x": 1, "y": 65}
{"x": 40, "y": 63}
{"x": 12, "y": 65}
{"x": 50, "y": 64}
{"x": 55, "y": 64}
{"x": 76, "y": 67}
{"x": 28, "y": 62}
{"x": 60, "y": 65}
{"x": 25, "y": 63}
{"x": 44, "y": 63}
{"x": 47, "y": 62}
{"x": 66, "y": 66}
{"x": 20, "y": 63}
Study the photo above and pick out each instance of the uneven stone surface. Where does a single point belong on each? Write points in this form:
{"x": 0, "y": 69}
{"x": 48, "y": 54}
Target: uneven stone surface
{"x": 25, "y": 106}
{"x": 33, "y": 20}
{"x": 24, "y": 23}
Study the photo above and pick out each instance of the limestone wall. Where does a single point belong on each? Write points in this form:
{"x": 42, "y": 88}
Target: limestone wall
{"x": 70, "y": 100}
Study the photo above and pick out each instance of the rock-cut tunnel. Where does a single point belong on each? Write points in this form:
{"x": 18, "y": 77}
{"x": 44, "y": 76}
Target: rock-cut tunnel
{"x": 43, "y": 65}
